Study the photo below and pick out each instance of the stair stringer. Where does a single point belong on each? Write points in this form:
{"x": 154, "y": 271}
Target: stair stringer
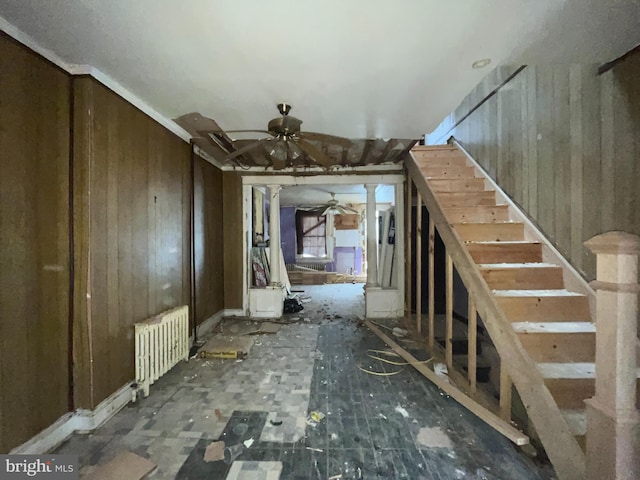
{"x": 559, "y": 442}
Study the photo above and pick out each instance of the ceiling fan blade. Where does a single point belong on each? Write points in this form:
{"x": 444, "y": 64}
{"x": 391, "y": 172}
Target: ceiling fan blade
{"x": 316, "y": 155}
{"x": 323, "y": 137}
{"x": 246, "y": 148}
{"x": 239, "y": 131}
{"x": 326, "y": 210}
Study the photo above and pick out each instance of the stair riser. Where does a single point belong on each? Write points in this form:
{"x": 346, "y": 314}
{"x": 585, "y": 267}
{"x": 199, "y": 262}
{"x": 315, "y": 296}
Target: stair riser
{"x": 489, "y": 232}
{"x": 546, "y": 309}
{"x": 461, "y": 199}
{"x": 535, "y": 278}
{"x": 477, "y": 214}
{"x": 570, "y": 393}
{"x": 492, "y": 253}
{"x": 460, "y": 185}
{"x": 560, "y": 347}
{"x": 451, "y": 171}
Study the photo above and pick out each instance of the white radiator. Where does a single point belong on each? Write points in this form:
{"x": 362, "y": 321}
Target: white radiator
{"x": 161, "y": 342}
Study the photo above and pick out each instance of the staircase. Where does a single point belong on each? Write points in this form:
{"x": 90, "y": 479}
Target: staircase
{"x": 536, "y": 308}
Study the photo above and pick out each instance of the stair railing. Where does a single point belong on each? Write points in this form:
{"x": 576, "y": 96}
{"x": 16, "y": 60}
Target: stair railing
{"x": 516, "y": 366}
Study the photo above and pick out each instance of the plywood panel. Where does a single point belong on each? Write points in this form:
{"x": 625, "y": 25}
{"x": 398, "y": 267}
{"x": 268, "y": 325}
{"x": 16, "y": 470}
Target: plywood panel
{"x": 34, "y": 243}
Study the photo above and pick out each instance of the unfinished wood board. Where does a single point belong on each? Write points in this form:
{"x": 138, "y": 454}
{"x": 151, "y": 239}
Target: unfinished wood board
{"x": 507, "y": 252}
{"x": 472, "y": 345}
{"x": 485, "y": 197}
{"x": 560, "y": 347}
{"x": 457, "y": 185}
{"x": 481, "y": 412}
{"x": 477, "y": 214}
{"x": 522, "y": 276}
{"x": 419, "y": 263}
{"x": 452, "y": 171}
{"x": 488, "y": 232}
{"x": 431, "y": 299}
{"x": 346, "y": 222}
{"x": 449, "y": 312}
{"x": 545, "y": 308}
{"x": 222, "y": 346}
{"x": 125, "y": 466}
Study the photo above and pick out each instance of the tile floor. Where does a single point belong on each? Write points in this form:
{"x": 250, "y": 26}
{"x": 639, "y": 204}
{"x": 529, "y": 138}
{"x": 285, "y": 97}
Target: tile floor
{"x": 375, "y": 427}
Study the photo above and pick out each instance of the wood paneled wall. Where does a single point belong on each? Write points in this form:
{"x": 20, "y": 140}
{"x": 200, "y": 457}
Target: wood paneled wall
{"x": 564, "y": 143}
{"x": 233, "y": 238}
{"x": 34, "y": 243}
{"x": 208, "y": 241}
{"x": 132, "y": 192}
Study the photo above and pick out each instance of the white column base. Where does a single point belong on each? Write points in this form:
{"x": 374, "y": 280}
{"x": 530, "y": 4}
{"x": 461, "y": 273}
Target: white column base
{"x": 383, "y": 302}
{"x": 266, "y": 302}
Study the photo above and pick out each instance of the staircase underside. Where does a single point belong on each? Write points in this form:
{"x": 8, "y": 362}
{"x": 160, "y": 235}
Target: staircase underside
{"x": 540, "y": 325}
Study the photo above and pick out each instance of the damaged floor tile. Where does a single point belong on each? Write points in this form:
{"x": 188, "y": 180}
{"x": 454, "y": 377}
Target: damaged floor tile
{"x": 374, "y": 427}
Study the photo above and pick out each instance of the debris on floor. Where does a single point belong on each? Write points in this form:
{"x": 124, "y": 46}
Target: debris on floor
{"x": 233, "y": 452}
{"x": 125, "y": 466}
{"x": 266, "y": 327}
{"x": 433, "y": 438}
{"x": 218, "y": 414}
{"x": 220, "y": 346}
{"x": 292, "y": 305}
{"x": 214, "y": 452}
{"x": 314, "y": 418}
{"x": 402, "y": 411}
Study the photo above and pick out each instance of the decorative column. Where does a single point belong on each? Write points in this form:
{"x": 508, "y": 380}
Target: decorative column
{"x": 372, "y": 243}
{"x": 613, "y": 444}
{"x": 274, "y": 234}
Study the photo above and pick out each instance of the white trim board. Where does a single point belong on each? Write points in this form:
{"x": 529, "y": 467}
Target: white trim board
{"x": 80, "y": 421}
{"x": 106, "y": 80}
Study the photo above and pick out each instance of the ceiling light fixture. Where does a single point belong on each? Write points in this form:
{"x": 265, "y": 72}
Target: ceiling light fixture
{"x": 478, "y": 64}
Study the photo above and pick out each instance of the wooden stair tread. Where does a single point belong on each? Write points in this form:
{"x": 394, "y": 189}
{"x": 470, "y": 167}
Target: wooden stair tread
{"x": 536, "y": 293}
{"x": 554, "y": 327}
{"x": 509, "y": 266}
{"x": 576, "y": 370}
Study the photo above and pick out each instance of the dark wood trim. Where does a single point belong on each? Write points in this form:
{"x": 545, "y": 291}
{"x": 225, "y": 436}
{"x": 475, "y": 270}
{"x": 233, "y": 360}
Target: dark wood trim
{"x": 609, "y": 65}
{"x": 485, "y": 99}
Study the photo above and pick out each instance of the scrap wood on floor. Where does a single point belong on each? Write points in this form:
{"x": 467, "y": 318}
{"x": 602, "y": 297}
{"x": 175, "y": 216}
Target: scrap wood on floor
{"x": 125, "y": 466}
{"x": 487, "y": 416}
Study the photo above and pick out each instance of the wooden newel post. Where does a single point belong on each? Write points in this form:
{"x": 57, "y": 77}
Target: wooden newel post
{"x": 612, "y": 417}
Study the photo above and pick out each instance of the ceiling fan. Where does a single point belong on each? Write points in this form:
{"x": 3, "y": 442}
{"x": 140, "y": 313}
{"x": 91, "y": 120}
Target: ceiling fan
{"x": 287, "y": 143}
{"x": 333, "y": 206}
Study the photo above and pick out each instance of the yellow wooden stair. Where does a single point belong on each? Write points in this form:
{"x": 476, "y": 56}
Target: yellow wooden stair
{"x": 526, "y": 288}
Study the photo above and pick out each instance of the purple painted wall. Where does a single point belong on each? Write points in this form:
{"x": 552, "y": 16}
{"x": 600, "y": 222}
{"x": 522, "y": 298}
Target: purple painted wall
{"x": 331, "y": 267}
{"x": 288, "y": 233}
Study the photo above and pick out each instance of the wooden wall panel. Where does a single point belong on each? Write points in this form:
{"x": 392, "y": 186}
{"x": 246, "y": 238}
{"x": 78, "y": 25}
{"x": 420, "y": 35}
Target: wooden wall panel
{"x": 233, "y": 238}
{"x": 34, "y": 243}
{"x": 208, "y": 240}
{"x": 132, "y": 196}
{"x": 564, "y": 143}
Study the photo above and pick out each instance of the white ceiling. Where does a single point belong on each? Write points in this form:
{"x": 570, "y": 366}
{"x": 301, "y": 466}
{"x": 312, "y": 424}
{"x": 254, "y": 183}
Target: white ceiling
{"x": 357, "y": 68}
{"x": 305, "y": 195}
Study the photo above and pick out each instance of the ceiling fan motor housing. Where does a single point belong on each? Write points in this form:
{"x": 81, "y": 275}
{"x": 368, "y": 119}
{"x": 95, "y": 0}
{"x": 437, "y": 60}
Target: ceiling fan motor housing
{"x": 285, "y": 125}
